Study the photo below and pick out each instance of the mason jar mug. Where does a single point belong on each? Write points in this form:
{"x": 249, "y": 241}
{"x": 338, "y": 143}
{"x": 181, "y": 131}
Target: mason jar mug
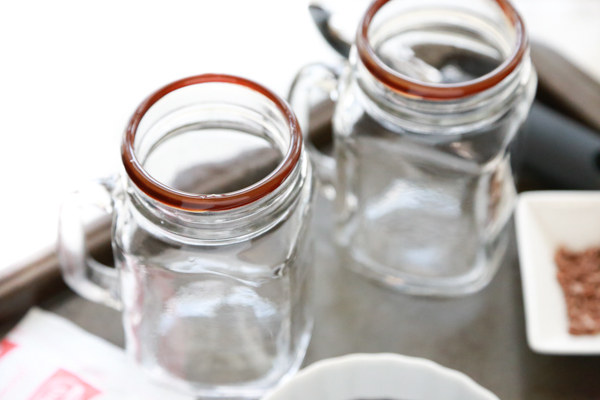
{"x": 426, "y": 112}
{"x": 209, "y": 235}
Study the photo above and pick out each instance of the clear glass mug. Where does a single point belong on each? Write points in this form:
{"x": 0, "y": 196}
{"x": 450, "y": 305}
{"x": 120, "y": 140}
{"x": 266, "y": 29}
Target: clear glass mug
{"x": 215, "y": 288}
{"x": 426, "y": 112}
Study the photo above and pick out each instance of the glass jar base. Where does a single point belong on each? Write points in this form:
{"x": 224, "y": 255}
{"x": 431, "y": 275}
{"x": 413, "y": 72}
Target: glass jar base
{"x": 249, "y": 391}
{"x": 480, "y": 275}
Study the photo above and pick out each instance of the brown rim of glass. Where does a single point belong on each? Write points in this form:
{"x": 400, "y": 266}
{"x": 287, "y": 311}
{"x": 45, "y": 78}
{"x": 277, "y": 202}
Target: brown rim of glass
{"x": 210, "y": 202}
{"x": 410, "y": 87}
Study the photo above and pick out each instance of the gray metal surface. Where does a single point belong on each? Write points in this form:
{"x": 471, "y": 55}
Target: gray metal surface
{"x": 482, "y": 335}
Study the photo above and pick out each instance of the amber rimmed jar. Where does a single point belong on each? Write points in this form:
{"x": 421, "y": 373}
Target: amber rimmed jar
{"x": 213, "y": 202}
{"x": 412, "y": 87}
{"x": 210, "y": 218}
{"x": 426, "y": 112}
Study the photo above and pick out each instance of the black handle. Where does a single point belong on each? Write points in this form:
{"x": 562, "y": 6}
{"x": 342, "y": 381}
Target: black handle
{"x": 561, "y": 149}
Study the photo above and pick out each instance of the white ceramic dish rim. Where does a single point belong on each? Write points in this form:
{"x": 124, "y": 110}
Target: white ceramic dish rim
{"x": 366, "y": 359}
{"x": 573, "y": 345}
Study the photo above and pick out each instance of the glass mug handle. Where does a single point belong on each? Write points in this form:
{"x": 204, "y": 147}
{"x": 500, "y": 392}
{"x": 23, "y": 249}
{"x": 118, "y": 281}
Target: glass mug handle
{"x": 312, "y": 96}
{"x": 89, "y": 278}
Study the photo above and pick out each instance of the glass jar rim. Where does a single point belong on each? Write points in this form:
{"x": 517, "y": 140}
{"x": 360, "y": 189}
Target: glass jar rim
{"x": 210, "y": 202}
{"x": 414, "y": 88}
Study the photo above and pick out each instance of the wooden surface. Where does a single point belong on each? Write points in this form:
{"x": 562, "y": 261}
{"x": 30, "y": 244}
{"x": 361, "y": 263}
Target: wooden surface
{"x": 38, "y": 278}
{"x": 565, "y": 87}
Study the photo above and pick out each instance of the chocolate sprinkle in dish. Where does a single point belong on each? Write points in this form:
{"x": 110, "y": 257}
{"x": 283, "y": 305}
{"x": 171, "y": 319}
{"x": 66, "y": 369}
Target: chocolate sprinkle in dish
{"x": 579, "y": 276}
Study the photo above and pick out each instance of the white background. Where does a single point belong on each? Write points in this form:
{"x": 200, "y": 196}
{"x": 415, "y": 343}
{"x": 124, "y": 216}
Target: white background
{"x": 72, "y": 72}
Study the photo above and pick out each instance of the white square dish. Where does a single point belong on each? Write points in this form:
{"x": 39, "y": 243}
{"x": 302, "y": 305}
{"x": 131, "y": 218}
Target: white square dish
{"x": 544, "y": 222}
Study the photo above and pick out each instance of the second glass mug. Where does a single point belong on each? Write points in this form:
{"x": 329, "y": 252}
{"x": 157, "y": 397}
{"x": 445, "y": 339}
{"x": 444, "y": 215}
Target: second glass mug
{"x": 215, "y": 288}
{"x": 425, "y": 113}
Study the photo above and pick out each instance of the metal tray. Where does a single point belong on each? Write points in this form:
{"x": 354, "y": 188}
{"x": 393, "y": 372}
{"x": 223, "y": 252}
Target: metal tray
{"x": 482, "y": 335}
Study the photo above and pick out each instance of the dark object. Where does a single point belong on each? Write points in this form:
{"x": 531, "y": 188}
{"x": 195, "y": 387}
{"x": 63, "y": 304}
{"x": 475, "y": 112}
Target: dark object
{"x": 561, "y": 150}
{"x": 321, "y": 17}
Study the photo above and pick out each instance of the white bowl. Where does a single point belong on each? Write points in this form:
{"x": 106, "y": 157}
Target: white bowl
{"x": 379, "y": 376}
{"x": 545, "y": 221}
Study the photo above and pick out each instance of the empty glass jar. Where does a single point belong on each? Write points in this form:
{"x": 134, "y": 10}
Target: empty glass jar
{"x": 213, "y": 263}
{"x": 425, "y": 115}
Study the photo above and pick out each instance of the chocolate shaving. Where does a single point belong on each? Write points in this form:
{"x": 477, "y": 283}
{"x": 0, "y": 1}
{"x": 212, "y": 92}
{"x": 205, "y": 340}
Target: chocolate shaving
{"x": 579, "y": 276}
